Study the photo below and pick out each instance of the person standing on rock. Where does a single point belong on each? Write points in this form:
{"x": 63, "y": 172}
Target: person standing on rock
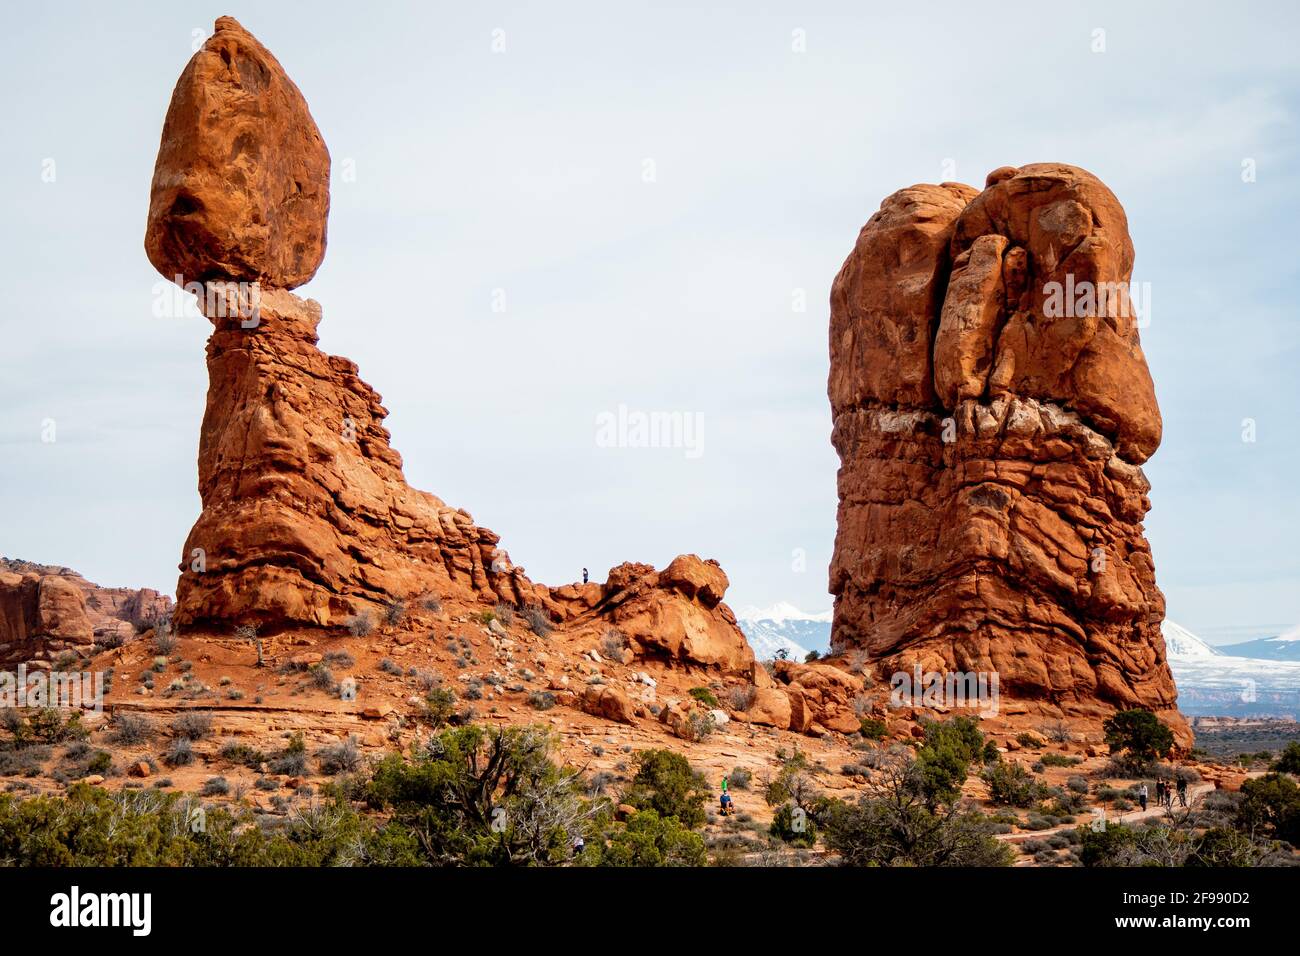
{"x": 1142, "y": 795}
{"x": 584, "y": 575}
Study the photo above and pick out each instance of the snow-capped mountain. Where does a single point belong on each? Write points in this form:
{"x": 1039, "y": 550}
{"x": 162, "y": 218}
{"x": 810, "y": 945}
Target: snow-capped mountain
{"x": 1180, "y": 642}
{"x": 1212, "y": 682}
{"x": 1284, "y": 647}
{"x": 784, "y": 627}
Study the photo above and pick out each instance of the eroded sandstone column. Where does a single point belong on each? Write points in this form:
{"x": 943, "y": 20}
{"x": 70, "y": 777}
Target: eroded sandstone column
{"x": 991, "y": 435}
{"x": 307, "y": 517}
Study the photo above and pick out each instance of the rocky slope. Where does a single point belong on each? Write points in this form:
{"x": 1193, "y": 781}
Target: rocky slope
{"x": 991, "y": 423}
{"x": 46, "y": 611}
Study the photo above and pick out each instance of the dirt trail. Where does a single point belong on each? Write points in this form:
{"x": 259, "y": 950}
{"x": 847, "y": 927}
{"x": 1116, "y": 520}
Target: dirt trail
{"x": 1193, "y": 795}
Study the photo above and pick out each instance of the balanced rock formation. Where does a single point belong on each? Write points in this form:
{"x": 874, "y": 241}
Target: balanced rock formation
{"x": 46, "y": 610}
{"x": 307, "y": 518}
{"x": 992, "y": 410}
{"x": 241, "y": 187}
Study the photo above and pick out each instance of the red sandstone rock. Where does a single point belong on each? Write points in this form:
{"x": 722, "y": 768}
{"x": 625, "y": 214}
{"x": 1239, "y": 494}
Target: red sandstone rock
{"x": 825, "y": 694}
{"x": 45, "y": 610}
{"x": 241, "y": 187}
{"x": 991, "y": 494}
{"x": 307, "y": 518}
{"x": 771, "y": 707}
{"x": 306, "y": 514}
{"x": 606, "y": 702}
{"x": 677, "y": 614}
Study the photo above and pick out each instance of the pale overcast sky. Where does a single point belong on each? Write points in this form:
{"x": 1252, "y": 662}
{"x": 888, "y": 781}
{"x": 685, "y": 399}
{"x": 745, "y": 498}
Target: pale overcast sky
{"x": 524, "y": 170}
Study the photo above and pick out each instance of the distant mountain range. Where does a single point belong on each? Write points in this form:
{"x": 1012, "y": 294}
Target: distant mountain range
{"x": 784, "y": 627}
{"x": 1224, "y": 682}
{"x": 1259, "y": 678}
{"x": 1284, "y": 647}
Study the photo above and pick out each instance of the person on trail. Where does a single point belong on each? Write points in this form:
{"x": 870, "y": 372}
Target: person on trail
{"x": 1160, "y": 793}
{"x": 724, "y": 783}
{"x": 1142, "y": 795}
{"x": 727, "y": 807}
{"x": 1182, "y": 791}
{"x": 579, "y": 844}
{"x": 584, "y": 575}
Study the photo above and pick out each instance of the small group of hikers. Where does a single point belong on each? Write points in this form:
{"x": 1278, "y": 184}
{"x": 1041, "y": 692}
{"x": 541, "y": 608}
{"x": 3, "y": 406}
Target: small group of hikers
{"x": 1164, "y": 793}
{"x": 727, "y": 808}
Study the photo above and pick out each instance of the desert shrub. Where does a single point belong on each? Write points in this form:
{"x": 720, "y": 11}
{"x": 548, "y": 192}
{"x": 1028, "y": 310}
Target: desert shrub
{"x": 666, "y": 783}
{"x": 264, "y": 783}
{"x": 541, "y": 700}
{"x": 613, "y": 643}
{"x": 340, "y": 757}
{"x": 892, "y": 827}
{"x": 1029, "y": 741}
{"x": 28, "y": 761}
{"x": 740, "y": 778}
{"x": 794, "y": 825}
{"x": 292, "y": 760}
{"x": 1270, "y": 806}
{"x": 504, "y": 613}
{"x": 164, "y": 642}
{"x": 101, "y": 762}
{"x": 1057, "y": 731}
{"x": 322, "y": 678}
{"x": 394, "y": 612}
{"x": 1103, "y": 847}
{"x": 431, "y": 602}
{"x": 649, "y": 839}
{"x": 180, "y": 753}
{"x": 192, "y": 725}
{"x": 484, "y": 796}
{"x": 388, "y": 666}
{"x": 699, "y": 726}
{"x": 943, "y": 760}
{"x": 1077, "y": 784}
{"x": 439, "y": 706}
{"x": 77, "y": 750}
{"x": 338, "y": 659}
{"x": 131, "y": 729}
{"x": 1011, "y": 785}
{"x": 241, "y": 753}
{"x": 1058, "y": 760}
{"x": 872, "y": 728}
{"x": 537, "y": 620}
{"x": 215, "y": 787}
{"x": 741, "y": 697}
{"x": 704, "y": 696}
{"x": 45, "y": 725}
{"x": 811, "y": 656}
{"x": 360, "y": 625}
{"x": 1139, "y": 734}
{"x": 859, "y": 662}
{"x": 427, "y": 680}
{"x": 1289, "y": 760}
